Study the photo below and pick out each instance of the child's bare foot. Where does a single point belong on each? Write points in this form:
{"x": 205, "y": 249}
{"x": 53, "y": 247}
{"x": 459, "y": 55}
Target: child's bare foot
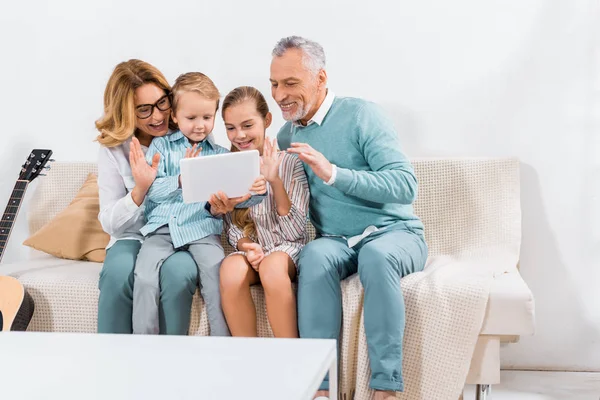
{"x": 321, "y": 393}
{"x": 387, "y": 395}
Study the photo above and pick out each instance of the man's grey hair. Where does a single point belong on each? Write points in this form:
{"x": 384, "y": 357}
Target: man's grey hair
{"x": 314, "y": 55}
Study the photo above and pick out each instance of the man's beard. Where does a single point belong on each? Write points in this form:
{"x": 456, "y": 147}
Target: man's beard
{"x": 300, "y": 113}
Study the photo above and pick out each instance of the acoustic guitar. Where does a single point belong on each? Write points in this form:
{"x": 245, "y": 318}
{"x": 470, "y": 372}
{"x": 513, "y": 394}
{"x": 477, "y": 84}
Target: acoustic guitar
{"x": 16, "y": 305}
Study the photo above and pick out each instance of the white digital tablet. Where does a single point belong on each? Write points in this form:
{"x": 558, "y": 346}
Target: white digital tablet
{"x": 231, "y": 173}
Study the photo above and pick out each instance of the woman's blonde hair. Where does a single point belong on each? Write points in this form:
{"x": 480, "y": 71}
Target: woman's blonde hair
{"x": 195, "y": 82}
{"x": 241, "y": 216}
{"x": 118, "y": 122}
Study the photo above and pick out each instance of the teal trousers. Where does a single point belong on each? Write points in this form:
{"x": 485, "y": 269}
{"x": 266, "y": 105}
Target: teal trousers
{"x": 381, "y": 260}
{"x": 178, "y": 282}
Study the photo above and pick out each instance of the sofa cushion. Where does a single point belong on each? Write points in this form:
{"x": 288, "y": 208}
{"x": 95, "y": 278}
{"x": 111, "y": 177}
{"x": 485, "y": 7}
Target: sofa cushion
{"x": 75, "y": 233}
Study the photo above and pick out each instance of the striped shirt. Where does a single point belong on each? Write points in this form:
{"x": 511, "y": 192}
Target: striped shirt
{"x": 274, "y": 232}
{"x": 164, "y": 202}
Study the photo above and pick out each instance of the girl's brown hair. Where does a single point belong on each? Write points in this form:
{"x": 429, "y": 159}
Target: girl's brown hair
{"x": 118, "y": 122}
{"x": 241, "y": 216}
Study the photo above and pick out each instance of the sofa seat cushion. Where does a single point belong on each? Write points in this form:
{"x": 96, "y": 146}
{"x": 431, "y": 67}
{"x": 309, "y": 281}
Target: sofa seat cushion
{"x": 65, "y": 292}
{"x": 510, "y": 308}
{"x": 66, "y": 299}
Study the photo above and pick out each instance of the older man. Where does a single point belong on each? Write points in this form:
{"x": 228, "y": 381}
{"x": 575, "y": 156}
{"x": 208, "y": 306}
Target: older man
{"x": 362, "y": 189}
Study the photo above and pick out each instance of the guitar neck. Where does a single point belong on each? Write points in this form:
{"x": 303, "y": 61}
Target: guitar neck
{"x": 10, "y": 213}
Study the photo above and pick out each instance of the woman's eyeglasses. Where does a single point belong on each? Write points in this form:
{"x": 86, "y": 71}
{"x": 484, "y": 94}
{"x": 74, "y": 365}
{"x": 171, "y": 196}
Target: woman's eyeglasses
{"x": 144, "y": 111}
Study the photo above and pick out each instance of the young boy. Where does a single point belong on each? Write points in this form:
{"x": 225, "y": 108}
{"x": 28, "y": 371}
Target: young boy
{"x": 172, "y": 225}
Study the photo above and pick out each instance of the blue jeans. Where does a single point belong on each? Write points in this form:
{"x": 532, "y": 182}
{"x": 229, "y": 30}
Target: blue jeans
{"x": 380, "y": 259}
{"x": 178, "y": 282}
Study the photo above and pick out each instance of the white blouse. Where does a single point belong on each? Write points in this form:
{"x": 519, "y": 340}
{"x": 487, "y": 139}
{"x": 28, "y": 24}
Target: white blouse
{"x": 119, "y": 216}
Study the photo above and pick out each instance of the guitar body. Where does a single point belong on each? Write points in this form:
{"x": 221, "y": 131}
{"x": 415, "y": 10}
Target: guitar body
{"x": 16, "y": 305}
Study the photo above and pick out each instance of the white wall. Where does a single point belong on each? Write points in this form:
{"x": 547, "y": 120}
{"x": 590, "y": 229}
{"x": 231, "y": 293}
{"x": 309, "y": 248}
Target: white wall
{"x": 473, "y": 78}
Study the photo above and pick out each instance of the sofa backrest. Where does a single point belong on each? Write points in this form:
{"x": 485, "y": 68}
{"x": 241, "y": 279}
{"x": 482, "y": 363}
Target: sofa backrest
{"x": 465, "y": 203}
{"x": 469, "y": 204}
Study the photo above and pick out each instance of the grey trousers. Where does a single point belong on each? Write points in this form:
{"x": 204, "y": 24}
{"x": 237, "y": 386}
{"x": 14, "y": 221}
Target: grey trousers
{"x": 157, "y": 247}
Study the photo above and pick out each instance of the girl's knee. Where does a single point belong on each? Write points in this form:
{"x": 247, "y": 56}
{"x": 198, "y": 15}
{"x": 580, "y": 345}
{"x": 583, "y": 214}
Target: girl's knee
{"x": 274, "y": 275}
{"x": 233, "y": 272}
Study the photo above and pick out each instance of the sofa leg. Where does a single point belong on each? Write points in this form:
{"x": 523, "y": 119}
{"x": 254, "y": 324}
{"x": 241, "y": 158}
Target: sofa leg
{"x": 482, "y": 392}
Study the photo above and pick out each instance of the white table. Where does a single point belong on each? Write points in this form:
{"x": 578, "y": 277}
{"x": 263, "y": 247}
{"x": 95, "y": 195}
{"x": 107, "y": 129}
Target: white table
{"x": 67, "y": 366}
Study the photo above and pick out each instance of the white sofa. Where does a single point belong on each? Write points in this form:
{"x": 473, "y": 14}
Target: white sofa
{"x": 465, "y": 204}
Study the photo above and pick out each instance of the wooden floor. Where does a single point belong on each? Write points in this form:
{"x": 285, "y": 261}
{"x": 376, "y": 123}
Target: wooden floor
{"x": 533, "y": 385}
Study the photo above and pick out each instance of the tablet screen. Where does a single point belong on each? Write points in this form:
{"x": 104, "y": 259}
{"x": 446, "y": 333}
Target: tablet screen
{"x": 232, "y": 173}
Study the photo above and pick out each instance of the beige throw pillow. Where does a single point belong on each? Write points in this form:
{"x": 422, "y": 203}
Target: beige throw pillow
{"x": 75, "y": 233}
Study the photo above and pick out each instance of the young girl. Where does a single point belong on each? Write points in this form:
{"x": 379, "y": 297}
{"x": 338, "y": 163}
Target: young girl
{"x": 269, "y": 235}
{"x": 171, "y": 224}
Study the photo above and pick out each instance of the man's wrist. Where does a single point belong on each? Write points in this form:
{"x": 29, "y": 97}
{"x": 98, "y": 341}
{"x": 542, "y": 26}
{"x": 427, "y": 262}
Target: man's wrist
{"x": 331, "y": 180}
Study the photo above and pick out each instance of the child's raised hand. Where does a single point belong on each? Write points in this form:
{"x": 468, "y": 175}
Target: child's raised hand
{"x": 193, "y": 152}
{"x": 270, "y": 161}
{"x": 254, "y": 254}
{"x": 259, "y": 186}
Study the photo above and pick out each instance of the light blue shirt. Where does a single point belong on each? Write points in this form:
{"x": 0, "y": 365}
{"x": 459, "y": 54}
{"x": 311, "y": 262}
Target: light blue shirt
{"x": 164, "y": 202}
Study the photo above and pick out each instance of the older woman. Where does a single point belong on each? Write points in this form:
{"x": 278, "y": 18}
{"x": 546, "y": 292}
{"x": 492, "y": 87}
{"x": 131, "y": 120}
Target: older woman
{"x": 136, "y": 110}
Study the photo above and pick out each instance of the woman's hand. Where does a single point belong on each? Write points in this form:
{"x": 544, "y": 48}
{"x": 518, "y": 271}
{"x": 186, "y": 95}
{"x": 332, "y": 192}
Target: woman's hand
{"x": 221, "y": 204}
{"x": 254, "y": 254}
{"x": 143, "y": 174}
{"x": 270, "y": 161}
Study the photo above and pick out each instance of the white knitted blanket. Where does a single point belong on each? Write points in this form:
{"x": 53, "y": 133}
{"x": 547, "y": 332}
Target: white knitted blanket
{"x": 445, "y": 308}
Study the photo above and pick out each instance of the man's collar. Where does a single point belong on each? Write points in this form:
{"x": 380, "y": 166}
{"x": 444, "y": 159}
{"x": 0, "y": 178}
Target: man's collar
{"x": 322, "y": 111}
{"x": 177, "y": 135}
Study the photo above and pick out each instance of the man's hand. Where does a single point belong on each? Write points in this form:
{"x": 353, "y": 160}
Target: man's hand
{"x": 315, "y": 160}
{"x": 254, "y": 254}
{"x": 221, "y": 204}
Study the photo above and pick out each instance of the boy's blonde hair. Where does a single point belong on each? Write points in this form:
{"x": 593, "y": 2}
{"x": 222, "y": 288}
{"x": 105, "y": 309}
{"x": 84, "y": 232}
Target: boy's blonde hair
{"x": 195, "y": 82}
{"x": 118, "y": 122}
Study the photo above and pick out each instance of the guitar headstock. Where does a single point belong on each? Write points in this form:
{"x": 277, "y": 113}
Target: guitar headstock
{"x": 34, "y": 164}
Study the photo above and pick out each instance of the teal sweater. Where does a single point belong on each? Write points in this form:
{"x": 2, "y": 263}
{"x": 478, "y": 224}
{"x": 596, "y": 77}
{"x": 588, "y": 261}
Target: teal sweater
{"x": 375, "y": 183}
